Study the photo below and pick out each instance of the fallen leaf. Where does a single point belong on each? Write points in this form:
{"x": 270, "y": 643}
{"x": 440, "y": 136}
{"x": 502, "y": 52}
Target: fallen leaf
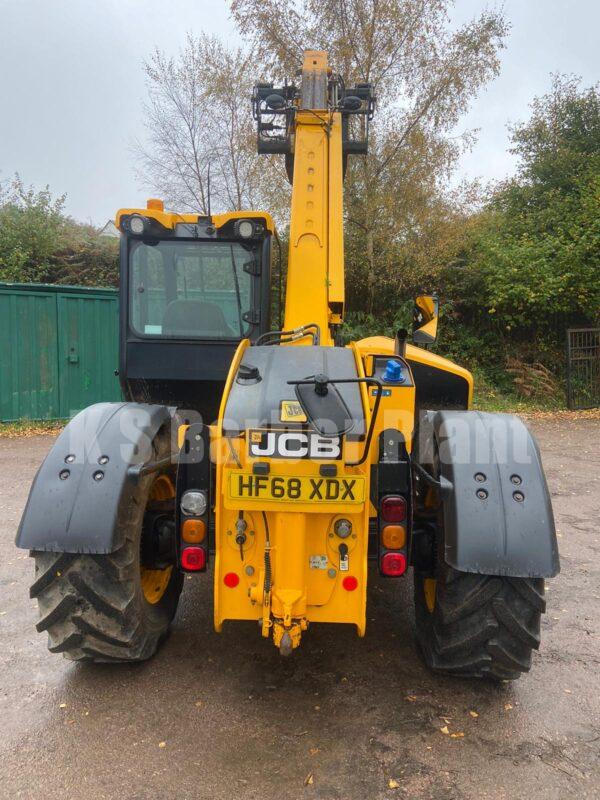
{"x": 162, "y": 744}
{"x": 313, "y": 751}
{"x": 507, "y": 707}
{"x": 457, "y": 735}
{"x": 474, "y": 714}
{"x": 309, "y": 780}
{"x": 198, "y": 703}
{"x": 63, "y": 705}
{"x": 568, "y": 691}
{"x": 344, "y": 679}
{"x": 392, "y": 784}
{"x": 317, "y": 708}
{"x": 70, "y": 722}
{"x": 411, "y": 698}
{"x": 445, "y": 730}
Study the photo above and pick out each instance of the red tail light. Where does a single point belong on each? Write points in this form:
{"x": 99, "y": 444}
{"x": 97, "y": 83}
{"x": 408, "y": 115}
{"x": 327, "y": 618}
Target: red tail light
{"x": 393, "y": 564}
{"x": 193, "y": 559}
{"x": 393, "y": 508}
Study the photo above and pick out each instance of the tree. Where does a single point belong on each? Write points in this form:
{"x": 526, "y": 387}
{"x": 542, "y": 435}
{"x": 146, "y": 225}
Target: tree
{"x": 198, "y": 123}
{"x": 32, "y": 228}
{"x": 39, "y": 243}
{"x": 424, "y": 74}
{"x": 534, "y": 253}
{"x": 528, "y": 266}
{"x": 561, "y": 141}
{"x": 86, "y": 259}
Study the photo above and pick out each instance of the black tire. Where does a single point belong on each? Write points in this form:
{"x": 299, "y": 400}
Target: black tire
{"x": 479, "y": 626}
{"x": 482, "y": 626}
{"x": 93, "y": 606}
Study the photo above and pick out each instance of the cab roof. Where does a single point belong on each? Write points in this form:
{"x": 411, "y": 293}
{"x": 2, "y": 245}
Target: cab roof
{"x": 169, "y": 219}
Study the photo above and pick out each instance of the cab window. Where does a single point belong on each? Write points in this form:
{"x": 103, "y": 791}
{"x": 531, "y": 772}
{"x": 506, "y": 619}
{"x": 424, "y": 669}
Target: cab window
{"x": 190, "y": 289}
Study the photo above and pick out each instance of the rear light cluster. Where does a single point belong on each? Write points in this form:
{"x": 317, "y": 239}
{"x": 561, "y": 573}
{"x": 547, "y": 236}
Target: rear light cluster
{"x": 193, "y": 530}
{"x": 393, "y": 521}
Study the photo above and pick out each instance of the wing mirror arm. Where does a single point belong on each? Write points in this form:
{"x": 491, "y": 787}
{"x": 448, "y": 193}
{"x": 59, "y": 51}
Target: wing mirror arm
{"x": 425, "y": 319}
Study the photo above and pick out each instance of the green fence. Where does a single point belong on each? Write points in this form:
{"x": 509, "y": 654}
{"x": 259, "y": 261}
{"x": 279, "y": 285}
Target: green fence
{"x": 58, "y": 349}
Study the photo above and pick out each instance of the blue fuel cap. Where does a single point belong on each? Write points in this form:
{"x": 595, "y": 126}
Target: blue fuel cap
{"x": 393, "y": 372}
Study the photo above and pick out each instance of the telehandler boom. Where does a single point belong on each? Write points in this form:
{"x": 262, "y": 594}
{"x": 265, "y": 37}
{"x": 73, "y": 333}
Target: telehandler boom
{"x": 296, "y": 461}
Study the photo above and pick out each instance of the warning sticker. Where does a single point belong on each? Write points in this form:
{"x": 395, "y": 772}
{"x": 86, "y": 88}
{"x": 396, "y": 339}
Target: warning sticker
{"x": 317, "y": 562}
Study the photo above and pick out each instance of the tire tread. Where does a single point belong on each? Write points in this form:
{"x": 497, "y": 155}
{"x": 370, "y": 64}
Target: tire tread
{"x": 92, "y": 604}
{"x": 482, "y": 626}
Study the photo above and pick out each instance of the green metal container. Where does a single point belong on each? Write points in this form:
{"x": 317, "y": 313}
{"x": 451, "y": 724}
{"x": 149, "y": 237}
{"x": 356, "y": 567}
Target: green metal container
{"x": 59, "y": 349}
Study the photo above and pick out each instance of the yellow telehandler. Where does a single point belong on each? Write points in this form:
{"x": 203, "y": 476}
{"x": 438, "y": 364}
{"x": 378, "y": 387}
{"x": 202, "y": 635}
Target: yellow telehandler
{"x": 302, "y": 468}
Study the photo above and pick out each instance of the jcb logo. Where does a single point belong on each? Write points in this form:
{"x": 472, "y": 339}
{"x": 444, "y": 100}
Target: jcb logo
{"x": 291, "y": 411}
{"x": 293, "y": 444}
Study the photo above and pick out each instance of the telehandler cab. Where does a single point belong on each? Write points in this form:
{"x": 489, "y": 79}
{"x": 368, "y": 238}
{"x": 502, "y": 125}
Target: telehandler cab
{"x": 294, "y": 460}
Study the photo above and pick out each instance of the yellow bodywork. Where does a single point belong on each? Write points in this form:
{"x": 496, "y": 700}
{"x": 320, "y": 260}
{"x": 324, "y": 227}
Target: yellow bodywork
{"x": 383, "y": 345}
{"x": 307, "y": 582}
{"x": 315, "y": 275}
{"x": 316, "y": 252}
{"x": 306, "y": 579}
{"x": 169, "y": 219}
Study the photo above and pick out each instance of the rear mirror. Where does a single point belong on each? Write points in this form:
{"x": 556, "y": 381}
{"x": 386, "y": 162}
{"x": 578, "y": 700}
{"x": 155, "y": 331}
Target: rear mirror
{"x": 324, "y": 406}
{"x": 425, "y": 319}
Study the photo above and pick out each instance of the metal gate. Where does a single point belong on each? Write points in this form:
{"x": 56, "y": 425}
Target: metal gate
{"x": 583, "y": 368}
{"x": 58, "y": 349}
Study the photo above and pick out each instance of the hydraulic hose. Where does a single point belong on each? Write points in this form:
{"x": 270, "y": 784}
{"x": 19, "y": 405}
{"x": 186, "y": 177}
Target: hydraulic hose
{"x": 267, "y": 555}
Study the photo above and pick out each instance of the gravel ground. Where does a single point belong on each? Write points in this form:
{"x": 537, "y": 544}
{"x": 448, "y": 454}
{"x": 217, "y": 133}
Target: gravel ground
{"x": 344, "y": 719}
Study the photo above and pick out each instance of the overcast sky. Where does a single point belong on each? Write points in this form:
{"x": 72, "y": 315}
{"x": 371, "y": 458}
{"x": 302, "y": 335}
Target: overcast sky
{"x": 72, "y": 84}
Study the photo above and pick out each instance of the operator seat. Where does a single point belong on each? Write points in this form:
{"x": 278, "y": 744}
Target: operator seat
{"x": 195, "y": 318}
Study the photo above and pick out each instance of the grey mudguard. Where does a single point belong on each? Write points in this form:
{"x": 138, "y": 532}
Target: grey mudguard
{"x": 496, "y": 504}
{"x": 71, "y": 507}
